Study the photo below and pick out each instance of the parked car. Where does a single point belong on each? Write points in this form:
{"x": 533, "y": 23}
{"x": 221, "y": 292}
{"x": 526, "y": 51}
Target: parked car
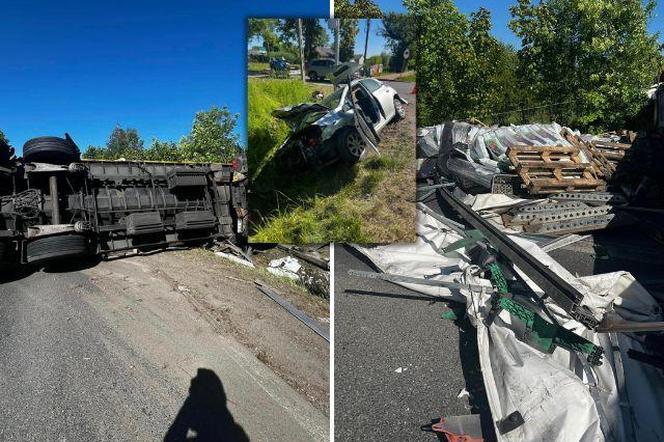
{"x": 319, "y": 68}
{"x": 55, "y": 206}
{"x": 341, "y": 126}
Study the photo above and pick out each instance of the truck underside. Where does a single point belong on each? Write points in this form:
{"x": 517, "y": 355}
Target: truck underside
{"x": 54, "y": 205}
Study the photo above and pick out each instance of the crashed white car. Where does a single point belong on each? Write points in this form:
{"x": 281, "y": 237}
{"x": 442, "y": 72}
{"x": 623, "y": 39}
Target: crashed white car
{"x": 341, "y": 126}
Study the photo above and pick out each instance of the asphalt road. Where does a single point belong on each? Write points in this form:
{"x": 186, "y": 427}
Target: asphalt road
{"x": 398, "y": 364}
{"x": 404, "y": 88}
{"x": 116, "y": 353}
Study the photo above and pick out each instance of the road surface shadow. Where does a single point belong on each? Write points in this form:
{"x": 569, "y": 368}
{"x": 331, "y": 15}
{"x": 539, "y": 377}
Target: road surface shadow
{"x": 204, "y": 415}
{"x": 17, "y": 272}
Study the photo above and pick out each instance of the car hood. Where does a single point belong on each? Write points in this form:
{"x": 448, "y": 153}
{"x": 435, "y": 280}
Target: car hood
{"x": 301, "y": 115}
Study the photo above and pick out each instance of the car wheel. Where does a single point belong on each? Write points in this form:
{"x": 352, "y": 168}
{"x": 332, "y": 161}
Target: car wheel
{"x": 313, "y": 76}
{"x": 350, "y": 145}
{"x": 51, "y": 150}
{"x": 399, "y": 110}
{"x": 55, "y": 247}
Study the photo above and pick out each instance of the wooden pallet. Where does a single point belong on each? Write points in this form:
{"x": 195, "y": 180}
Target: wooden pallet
{"x": 550, "y": 169}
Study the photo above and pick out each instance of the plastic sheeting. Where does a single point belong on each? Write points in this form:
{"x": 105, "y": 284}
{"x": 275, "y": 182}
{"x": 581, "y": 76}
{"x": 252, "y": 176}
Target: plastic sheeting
{"x": 560, "y": 396}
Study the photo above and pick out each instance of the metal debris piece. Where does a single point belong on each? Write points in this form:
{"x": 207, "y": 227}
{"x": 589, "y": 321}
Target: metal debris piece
{"x": 572, "y": 226}
{"x": 311, "y": 258}
{"x": 290, "y": 308}
{"x": 563, "y": 241}
{"x": 560, "y": 291}
{"x": 591, "y": 197}
{"x": 391, "y": 277}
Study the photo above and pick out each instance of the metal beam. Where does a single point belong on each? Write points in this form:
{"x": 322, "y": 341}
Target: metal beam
{"x": 559, "y": 290}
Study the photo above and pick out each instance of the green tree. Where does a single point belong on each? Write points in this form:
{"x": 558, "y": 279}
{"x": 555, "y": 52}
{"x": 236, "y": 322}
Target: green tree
{"x": 163, "y": 151}
{"x": 124, "y": 143}
{"x": 596, "y": 55}
{"x": 399, "y": 31}
{"x": 447, "y": 66}
{"x": 212, "y": 137}
{"x": 348, "y": 30}
{"x": 3, "y": 137}
{"x": 264, "y": 28}
{"x": 357, "y": 9}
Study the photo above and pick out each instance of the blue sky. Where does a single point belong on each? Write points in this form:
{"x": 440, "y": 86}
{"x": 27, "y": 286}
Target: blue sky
{"x": 85, "y": 66}
{"x": 500, "y": 15}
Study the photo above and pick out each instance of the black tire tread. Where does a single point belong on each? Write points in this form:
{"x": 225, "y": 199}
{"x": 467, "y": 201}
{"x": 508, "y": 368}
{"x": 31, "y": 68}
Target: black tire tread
{"x": 51, "y": 150}
{"x": 53, "y": 247}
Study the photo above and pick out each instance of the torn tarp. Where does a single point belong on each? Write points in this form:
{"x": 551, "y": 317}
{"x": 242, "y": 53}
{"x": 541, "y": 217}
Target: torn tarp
{"x": 560, "y": 396}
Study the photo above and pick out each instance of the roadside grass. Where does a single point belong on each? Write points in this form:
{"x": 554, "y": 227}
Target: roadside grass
{"x": 256, "y": 67}
{"x": 369, "y": 202}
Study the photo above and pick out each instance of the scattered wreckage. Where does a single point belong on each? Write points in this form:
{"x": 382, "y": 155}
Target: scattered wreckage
{"x": 563, "y": 181}
{"x": 341, "y": 126}
{"x": 545, "y": 336}
{"x": 54, "y": 205}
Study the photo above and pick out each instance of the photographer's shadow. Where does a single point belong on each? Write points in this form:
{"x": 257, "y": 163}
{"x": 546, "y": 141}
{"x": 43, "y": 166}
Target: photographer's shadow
{"x": 204, "y": 415}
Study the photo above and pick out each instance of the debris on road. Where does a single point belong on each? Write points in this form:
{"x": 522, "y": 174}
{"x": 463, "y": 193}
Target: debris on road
{"x": 538, "y": 345}
{"x": 306, "y": 320}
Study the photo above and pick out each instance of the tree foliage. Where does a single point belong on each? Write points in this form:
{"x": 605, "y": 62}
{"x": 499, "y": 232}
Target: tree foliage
{"x": 596, "y": 53}
{"x": 462, "y": 70}
{"x": 399, "y": 31}
{"x": 265, "y": 29}
{"x": 348, "y": 30}
{"x": 3, "y": 137}
{"x": 212, "y": 139}
{"x": 583, "y": 63}
{"x": 357, "y": 9}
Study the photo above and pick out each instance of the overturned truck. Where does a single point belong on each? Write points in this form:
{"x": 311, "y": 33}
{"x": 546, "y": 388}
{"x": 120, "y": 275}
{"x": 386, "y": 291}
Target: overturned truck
{"x": 53, "y": 205}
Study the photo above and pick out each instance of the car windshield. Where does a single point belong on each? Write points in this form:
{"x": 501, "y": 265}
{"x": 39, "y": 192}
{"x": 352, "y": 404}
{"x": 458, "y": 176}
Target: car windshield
{"x": 332, "y": 100}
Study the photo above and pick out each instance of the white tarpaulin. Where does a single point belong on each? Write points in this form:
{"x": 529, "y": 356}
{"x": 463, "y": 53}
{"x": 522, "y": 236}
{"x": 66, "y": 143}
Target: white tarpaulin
{"x": 560, "y": 395}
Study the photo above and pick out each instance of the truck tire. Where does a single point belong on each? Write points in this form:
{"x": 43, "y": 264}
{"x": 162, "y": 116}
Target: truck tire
{"x": 56, "y": 247}
{"x": 350, "y": 145}
{"x": 51, "y": 150}
{"x": 313, "y": 76}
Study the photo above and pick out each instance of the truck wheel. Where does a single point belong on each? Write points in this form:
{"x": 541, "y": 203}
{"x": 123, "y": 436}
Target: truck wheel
{"x": 350, "y": 145}
{"x": 399, "y": 110}
{"x": 55, "y": 247}
{"x": 313, "y": 76}
{"x": 51, "y": 150}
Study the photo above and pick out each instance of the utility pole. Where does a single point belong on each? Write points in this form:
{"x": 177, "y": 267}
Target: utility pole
{"x": 366, "y": 39}
{"x": 300, "y": 41}
{"x": 337, "y": 26}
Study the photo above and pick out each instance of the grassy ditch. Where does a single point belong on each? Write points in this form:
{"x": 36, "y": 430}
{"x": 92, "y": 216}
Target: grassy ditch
{"x": 370, "y": 202}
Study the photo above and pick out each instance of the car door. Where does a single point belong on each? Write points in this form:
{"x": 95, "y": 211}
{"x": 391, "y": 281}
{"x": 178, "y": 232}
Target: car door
{"x": 379, "y": 93}
{"x": 362, "y": 123}
{"x": 385, "y": 96}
